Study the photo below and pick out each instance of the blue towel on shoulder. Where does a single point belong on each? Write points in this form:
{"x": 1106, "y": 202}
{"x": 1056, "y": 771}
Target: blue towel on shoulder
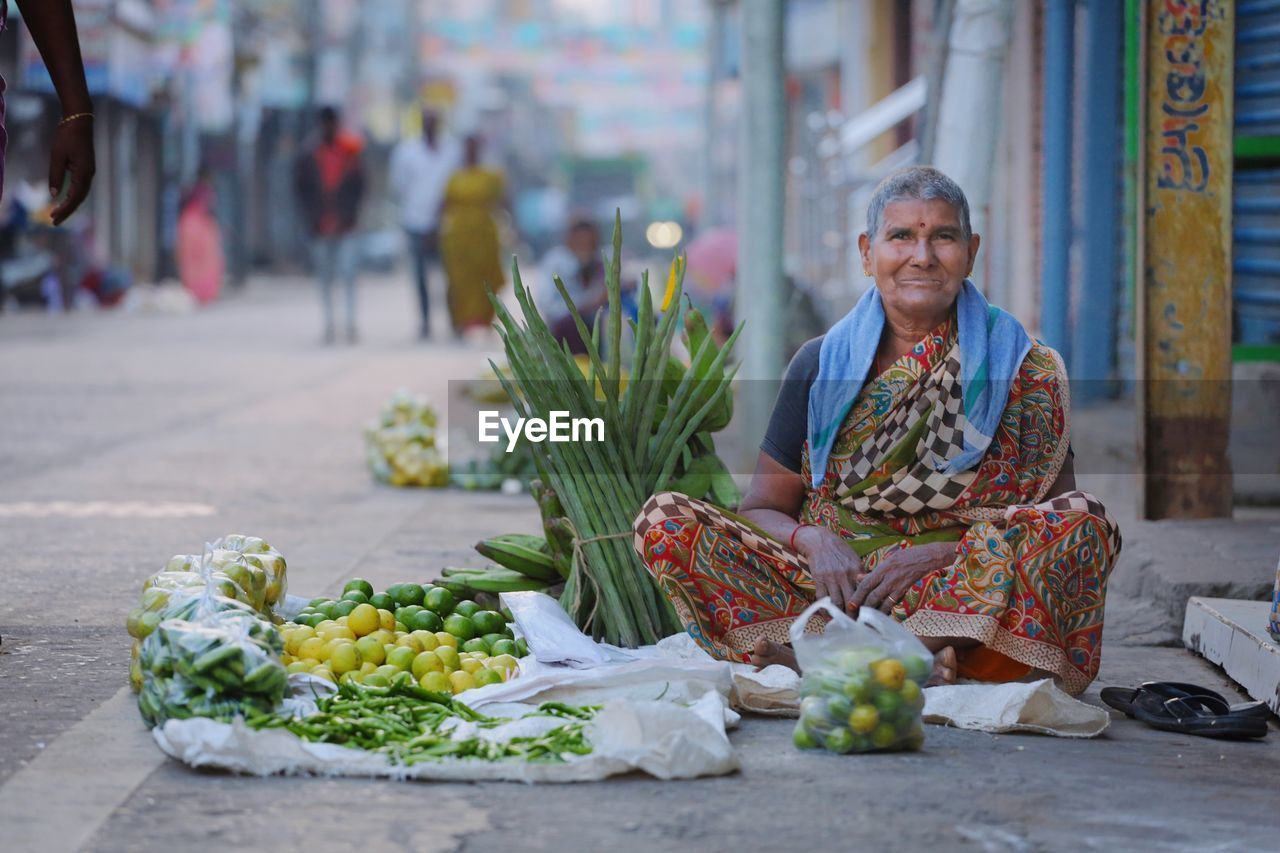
{"x": 992, "y": 347}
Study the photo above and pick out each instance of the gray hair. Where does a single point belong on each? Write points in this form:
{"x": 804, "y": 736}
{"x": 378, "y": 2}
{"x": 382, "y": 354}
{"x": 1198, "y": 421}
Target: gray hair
{"x": 916, "y": 183}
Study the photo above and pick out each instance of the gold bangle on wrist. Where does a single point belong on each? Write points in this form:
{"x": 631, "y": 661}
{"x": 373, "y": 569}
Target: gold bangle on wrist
{"x": 73, "y": 117}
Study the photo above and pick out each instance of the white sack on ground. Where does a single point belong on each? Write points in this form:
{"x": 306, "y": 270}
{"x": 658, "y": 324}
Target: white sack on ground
{"x": 665, "y": 740}
{"x": 1038, "y": 706}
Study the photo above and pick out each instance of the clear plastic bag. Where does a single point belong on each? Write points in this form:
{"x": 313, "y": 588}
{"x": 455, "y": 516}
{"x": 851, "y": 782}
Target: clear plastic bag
{"x": 401, "y": 448}
{"x": 190, "y": 604}
{"x": 225, "y": 664}
{"x": 236, "y": 572}
{"x": 862, "y": 681}
{"x": 257, "y": 553}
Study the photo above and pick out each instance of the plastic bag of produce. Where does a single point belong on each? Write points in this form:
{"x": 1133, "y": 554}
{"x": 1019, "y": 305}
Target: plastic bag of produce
{"x": 258, "y": 571}
{"x": 862, "y": 683}
{"x": 225, "y": 664}
{"x": 256, "y": 552}
{"x": 400, "y": 446}
{"x": 191, "y": 604}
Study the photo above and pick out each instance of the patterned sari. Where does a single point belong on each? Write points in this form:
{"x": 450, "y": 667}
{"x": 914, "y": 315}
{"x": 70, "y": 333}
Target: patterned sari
{"x": 1029, "y": 575}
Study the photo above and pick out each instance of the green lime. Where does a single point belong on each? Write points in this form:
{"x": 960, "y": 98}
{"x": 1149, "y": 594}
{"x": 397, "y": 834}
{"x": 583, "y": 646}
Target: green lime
{"x": 375, "y": 679}
{"x": 425, "y": 620}
{"x": 884, "y": 736}
{"x": 488, "y": 622}
{"x": 801, "y": 737}
{"x": 476, "y": 645}
{"x": 460, "y": 626}
{"x": 839, "y": 740}
{"x": 912, "y": 695}
{"x": 382, "y": 601}
{"x": 858, "y": 688}
{"x": 404, "y": 614}
{"x": 316, "y": 601}
{"x": 503, "y": 647}
{"x": 917, "y": 668}
{"x": 466, "y": 608}
{"x": 839, "y": 707}
{"x": 407, "y": 594}
{"x": 485, "y": 677}
{"x": 325, "y": 608}
{"x": 358, "y": 584}
{"x": 522, "y": 648}
{"x": 887, "y": 702}
{"x": 356, "y": 595}
{"x": 490, "y": 639}
{"x": 344, "y": 608}
{"x": 440, "y": 600}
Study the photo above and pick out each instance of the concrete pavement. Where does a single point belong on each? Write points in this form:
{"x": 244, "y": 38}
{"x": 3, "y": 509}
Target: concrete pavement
{"x": 237, "y": 419}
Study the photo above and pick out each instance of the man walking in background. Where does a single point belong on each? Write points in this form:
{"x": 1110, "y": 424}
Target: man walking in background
{"x": 419, "y": 172}
{"x": 330, "y": 186}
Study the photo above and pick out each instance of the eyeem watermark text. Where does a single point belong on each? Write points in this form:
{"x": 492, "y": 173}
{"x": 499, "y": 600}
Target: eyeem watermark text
{"x": 561, "y": 427}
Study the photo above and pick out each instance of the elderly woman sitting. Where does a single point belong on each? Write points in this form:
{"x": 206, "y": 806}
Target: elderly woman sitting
{"x": 917, "y": 461}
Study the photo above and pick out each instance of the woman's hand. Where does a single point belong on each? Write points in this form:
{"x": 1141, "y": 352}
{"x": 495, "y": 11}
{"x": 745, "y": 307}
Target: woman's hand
{"x": 71, "y": 155}
{"x": 834, "y": 566}
{"x": 884, "y": 588}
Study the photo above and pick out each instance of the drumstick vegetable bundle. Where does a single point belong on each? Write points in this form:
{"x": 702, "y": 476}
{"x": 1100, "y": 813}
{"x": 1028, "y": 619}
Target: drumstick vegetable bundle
{"x": 655, "y": 422}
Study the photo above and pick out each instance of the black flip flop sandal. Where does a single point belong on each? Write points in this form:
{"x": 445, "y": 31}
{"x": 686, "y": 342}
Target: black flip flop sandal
{"x": 1204, "y": 716}
{"x": 1122, "y": 698}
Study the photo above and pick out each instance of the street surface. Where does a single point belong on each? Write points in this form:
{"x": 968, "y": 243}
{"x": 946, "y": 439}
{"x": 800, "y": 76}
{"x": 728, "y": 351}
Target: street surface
{"x": 126, "y": 438}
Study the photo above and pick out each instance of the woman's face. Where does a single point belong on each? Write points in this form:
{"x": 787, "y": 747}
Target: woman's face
{"x": 919, "y": 258}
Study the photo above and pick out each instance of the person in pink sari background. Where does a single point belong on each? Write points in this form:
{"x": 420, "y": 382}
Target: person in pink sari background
{"x": 201, "y": 262}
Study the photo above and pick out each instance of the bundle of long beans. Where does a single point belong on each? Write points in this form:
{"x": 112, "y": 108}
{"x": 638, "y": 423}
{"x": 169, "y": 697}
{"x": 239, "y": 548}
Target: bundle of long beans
{"x": 650, "y": 420}
{"x": 410, "y": 725}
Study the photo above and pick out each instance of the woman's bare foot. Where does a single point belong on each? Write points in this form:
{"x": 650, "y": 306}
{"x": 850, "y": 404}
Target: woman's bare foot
{"x": 944, "y": 668}
{"x": 767, "y": 653}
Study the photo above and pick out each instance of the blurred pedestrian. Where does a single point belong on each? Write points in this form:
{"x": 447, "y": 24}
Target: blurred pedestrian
{"x": 419, "y": 172}
{"x": 330, "y": 186}
{"x": 52, "y": 25}
{"x": 201, "y": 261}
{"x": 469, "y": 238}
{"x": 577, "y": 262}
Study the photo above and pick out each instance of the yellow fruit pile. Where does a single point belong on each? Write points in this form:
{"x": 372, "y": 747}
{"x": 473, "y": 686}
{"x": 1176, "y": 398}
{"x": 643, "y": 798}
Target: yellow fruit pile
{"x": 366, "y": 646}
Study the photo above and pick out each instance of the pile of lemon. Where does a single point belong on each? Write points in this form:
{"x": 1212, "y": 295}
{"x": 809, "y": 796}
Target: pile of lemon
{"x": 365, "y": 646}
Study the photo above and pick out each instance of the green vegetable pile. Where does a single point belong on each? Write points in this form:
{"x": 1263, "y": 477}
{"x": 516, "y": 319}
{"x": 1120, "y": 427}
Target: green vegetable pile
{"x": 658, "y": 420}
{"x": 226, "y": 664}
{"x": 410, "y": 725}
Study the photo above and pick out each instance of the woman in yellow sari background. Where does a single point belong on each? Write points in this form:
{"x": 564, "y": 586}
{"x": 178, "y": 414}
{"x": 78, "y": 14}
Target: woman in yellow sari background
{"x": 469, "y": 244}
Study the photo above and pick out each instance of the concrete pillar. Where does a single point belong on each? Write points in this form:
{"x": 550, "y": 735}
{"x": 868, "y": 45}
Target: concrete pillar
{"x": 1059, "y": 53}
{"x": 760, "y": 208}
{"x": 1185, "y": 315}
{"x": 1093, "y": 334}
{"x": 972, "y": 94}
